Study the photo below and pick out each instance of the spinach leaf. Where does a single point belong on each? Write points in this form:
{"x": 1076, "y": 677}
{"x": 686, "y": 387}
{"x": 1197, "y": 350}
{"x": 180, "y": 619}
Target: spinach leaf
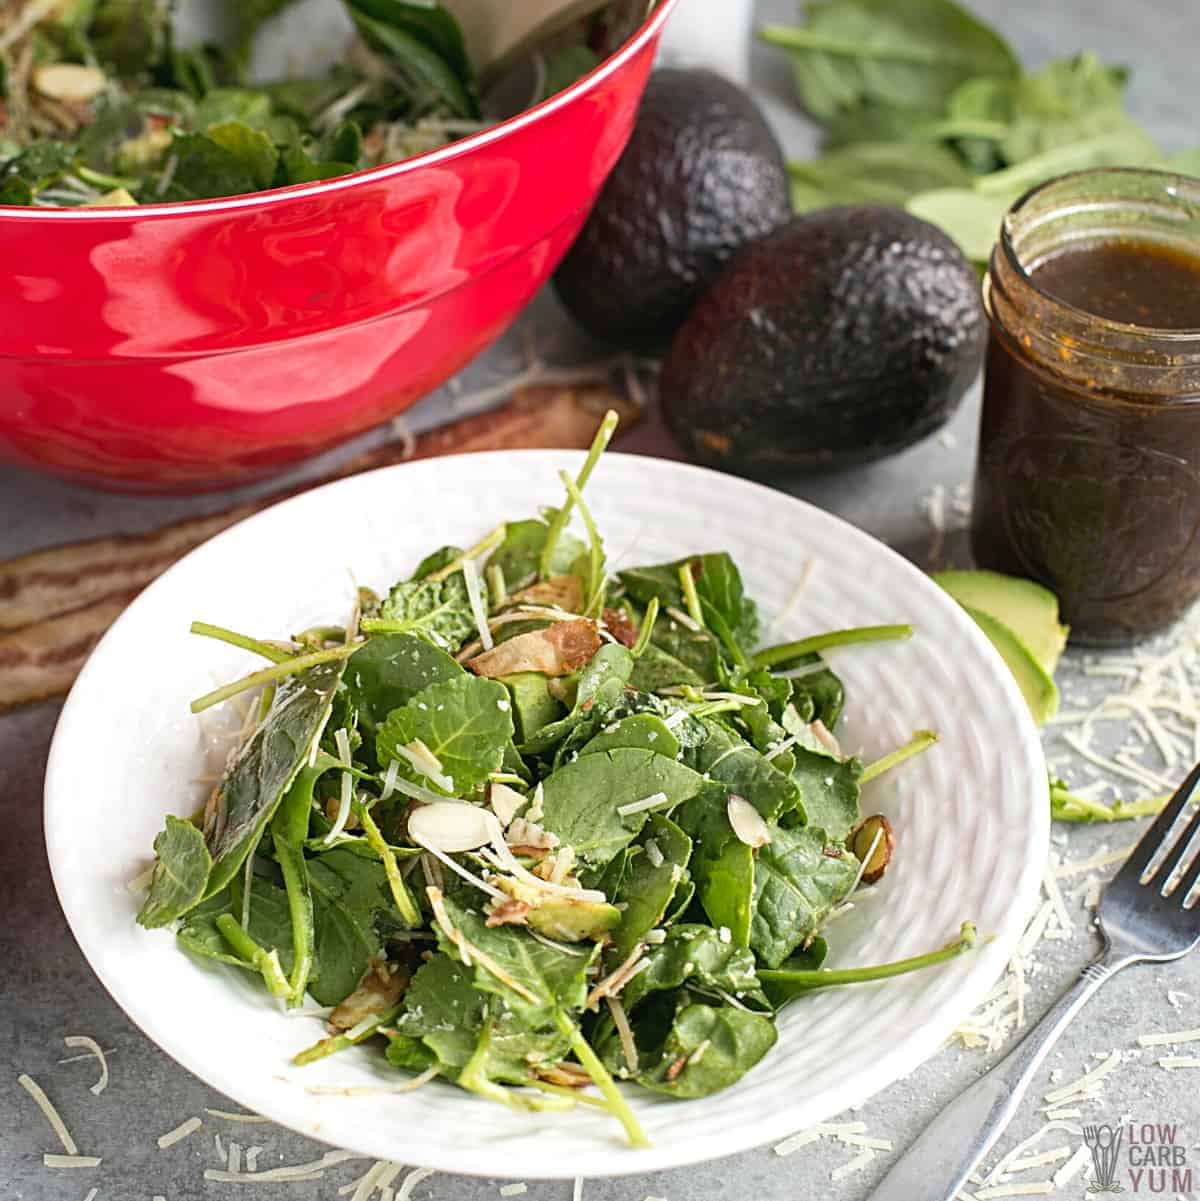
{"x": 876, "y": 173}
{"x": 722, "y": 865}
{"x": 228, "y": 160}
{"x": 289, "y": 832}
{"x": 388, "y": 671}
{"x": 443, "y": 1009}
{"x": 647, "y": 888}
{"x": 740, "y": 769}
{"x": 697, "y": 650}
{"x": 646, "y": 731}
{"x": 265, "y": 767}
{"x": 601, "y": 687}
{"x": 436, "y": 610}
{"x": 180, "y": 875}
{"x": 426, "y": 72}
{"x": 270, "y": 924}
{"x": 699, "y": 957}
{"x": 436, "y": 560}
{"x": 566, "y": 65}
{"x": 581, "y": 799}
{"x": 41, "y": 165}
{"x": 718, "y": 583}
{"x": 465, "y": 721}
{"x": 669, "y": 1046}
{"x": 128, "y": 36}
{"x": 796, "y": 884}
{"x": 519, "y": 555}
{"x": 911, "y": 56}
{"x": 817, "y": 695}
{"x": 350, "y": 895}
{"x": 829, "y": 791}
{"x": 428, "y": 23}
{"x": 549, "y": 980}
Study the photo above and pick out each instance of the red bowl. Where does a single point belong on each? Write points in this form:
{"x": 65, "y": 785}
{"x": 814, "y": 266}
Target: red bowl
{"x": 180, "y": 347}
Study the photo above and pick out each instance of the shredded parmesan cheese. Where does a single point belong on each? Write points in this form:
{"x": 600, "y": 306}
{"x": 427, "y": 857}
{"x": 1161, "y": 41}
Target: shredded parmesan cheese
{"x": 50, "y": 1113}
{"x": 1072, "y": 1167}
{"x": 1169, "y": 1039}
{"x": 621, "y": 1022}
{"x": 423, "y": 760}
{"x": 478, "y": 611}
{"x": 411, "y": 1181}
{"x": 516, "y": 1189}
{"x": 71, "y": 1161}
{"x": 93, "y": 1047}
{"x": 856, "y": 1164}
{"x": 654, "y": 801}
{"x": 369, "y": 1090}
{"x": 1173, "y": 1062}
{"x": 313, "y": 1170}
{"x": 1077, "y": 1087}
{"x": 577, "y": 1190}
{"x": 1038, "y": 1189}
{"x": 225, "y": 1116}
{"x": 179, "y": 1133}
{"x": 342, "y": 740}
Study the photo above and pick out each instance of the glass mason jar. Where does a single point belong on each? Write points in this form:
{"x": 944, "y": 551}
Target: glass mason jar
{"x": 1088, "y": 478}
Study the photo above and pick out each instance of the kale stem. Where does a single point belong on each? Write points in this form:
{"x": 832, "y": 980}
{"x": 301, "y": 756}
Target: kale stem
{"x": 258, "y": 957}
{"x": 400, "y": 894}
{"x": 497, "y": 585}
{"x": 807, "y": 980}
{"x": 922, "y": 740}
{"x": 719, "y": 626}
{"x": 558, "y": 522}
{"x": 486, "y": 543}
{"x": 595, "y": 548}
{"x": 617, "y": 1104}
{"x": 269, "y": 675}
{"x": 691, "y": 599}
{"x": 341, "y": 1042}
{"x": 647, "y": 630}
{"x": 244, "y": 641}
{"x": 785, "y": 653}
{"x": 265, "y": 700}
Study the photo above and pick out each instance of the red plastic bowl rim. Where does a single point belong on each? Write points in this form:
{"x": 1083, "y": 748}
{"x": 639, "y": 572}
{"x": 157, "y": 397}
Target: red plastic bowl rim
{"x": 646, "y": 32}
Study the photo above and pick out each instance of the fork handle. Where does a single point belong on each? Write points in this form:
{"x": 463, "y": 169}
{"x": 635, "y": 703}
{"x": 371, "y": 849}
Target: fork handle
{"x": 937, "y": 1165}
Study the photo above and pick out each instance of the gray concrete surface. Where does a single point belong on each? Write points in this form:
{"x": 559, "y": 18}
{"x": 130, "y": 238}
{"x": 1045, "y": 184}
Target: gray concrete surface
{"x": 47, "y": 992}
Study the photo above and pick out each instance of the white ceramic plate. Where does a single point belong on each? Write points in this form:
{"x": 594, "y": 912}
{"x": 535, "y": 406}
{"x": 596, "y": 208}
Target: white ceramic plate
{"x": 971, "y": 815}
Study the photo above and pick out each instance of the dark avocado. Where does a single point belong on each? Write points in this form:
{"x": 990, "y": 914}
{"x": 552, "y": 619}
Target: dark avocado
{"x": 701, "y": 176}
{"x": 844, "y": 336}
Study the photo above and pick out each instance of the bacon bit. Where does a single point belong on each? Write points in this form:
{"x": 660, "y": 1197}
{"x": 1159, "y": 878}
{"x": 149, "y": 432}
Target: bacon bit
{"x": 674, "y": 1070}
{"x": 524, "y": 851}
{"x": 561, "y": 591}
{"x": 558, "y": 650}
{"x": 509, "y": 913}
{"x": 381, "y": 988}
{"x": 565, "y": 1075}
{"x": 618, "y": 623}
{"x": 331, "y": 812}
{"x": 832, "y": 852}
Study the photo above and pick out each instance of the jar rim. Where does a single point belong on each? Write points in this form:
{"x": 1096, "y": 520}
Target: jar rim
{"x": 1168, "y": 335}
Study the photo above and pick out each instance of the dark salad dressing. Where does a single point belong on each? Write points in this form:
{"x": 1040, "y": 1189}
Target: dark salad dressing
{"x": 1091, "y": 488}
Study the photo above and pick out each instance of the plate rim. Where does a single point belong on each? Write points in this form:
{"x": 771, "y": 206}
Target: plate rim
{"x": 902, "y": 1059}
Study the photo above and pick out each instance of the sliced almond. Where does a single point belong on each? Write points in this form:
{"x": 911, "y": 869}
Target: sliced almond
{"x": 747, "y": 822}
{"x": 69, "y": 82}
{"x": 380, "y": 989}
{"x": 529, "y": 834}
{"x": 872, "y": 832}
{"x": 825, "y": 737}
{"x": 506, "y": 802}
{"x": 555, "y": 651}
{"x": 451, "y": 826}
{"x": 562, "y": 591}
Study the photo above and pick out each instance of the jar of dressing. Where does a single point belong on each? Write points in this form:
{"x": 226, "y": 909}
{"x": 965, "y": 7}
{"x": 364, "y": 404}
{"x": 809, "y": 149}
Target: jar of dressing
{"x": 1088, "y": 477}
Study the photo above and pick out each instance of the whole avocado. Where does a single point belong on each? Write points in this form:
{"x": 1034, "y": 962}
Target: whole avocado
{"x": 845, "y": 335}
{"x": 701, "y": 176}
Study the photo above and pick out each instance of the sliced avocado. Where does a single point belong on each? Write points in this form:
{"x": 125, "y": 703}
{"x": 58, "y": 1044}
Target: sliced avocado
{"x": 1038, "y": 689}
{"x": 1027, "y": 609}
{"x": 533, "y": 706}
{"x": 843, "y": 336}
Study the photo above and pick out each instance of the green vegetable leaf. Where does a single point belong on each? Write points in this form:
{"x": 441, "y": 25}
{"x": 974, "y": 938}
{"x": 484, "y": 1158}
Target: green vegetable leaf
{"x": 875, "y": 173}
{"x": 861, "y": 52}
{"x": 656, "y": 669}
{"x": 519, "y": 555}
{"x": 388, "y": 671}
{"x": 566, "y": 65}
{"x": 350, "y": 896}
{"x": 438, "y": 611}
{"x": 533, "y": 706}
{"x": 254, "y": 786}
{"x": 229, "y": 160}
{"x": 465, "y": 721}
{"x": 180, "y": 874}
{"x": 648, "y": 886}
{"x": 643, "y": 730}
{"x": 796, "y": 884}
{"x": 829, "y": 791}
{"x": 601, "y": 688}
{"x": 699, "y": 957}
{"x": 722, "y": 865}
{"x": 581, "y": 799}
{"x": 129, "y": 36}
{"x": 740, "y": 769}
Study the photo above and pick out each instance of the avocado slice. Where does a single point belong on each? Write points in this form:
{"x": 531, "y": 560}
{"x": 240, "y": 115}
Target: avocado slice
{"x": 533, "y": 706}
{"x": 1027, "y": 609}
{"x": 1038, "y": 689}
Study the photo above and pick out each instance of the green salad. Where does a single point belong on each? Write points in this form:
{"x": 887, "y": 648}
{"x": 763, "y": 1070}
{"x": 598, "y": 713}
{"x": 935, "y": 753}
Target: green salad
{"x": 533, "y": 828}
{"x": 101, "y": 104}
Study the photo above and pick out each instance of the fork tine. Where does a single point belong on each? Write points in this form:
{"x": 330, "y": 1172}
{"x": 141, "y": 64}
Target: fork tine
{"x": 1135, "y": 865}
{"x": 1185, "y": 886}
{"x": 1179, "y": 849}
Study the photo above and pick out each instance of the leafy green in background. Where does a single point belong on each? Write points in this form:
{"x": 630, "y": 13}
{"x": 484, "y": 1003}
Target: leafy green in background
{"x": 925, "y": 106}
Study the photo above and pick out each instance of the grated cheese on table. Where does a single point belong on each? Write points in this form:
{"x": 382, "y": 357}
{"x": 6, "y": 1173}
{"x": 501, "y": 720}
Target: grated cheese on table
{"x": 1080, "y": 1086}
{"x": 1041, "y": 1188}
{"x": 411, "y": 1181}
{"x": 1072, "y": 1167}
{"x": 1173, "y": 1062}
{"x": 513, "y": 1190}
{"x": 225, "y": 1116}
{"x": 93, "y": 1048}
{"x": 1169, "y": 1039}
{"x": 51, "y": 1114}
{"x": 70, "y": 1161}
{"x": 860, "y": 1161}
{"x": 577, "y": 1189}
{"x": 179, "y": 1133}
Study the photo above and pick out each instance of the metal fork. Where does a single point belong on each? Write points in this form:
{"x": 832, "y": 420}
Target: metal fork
{"x": 1143, "y": 919}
